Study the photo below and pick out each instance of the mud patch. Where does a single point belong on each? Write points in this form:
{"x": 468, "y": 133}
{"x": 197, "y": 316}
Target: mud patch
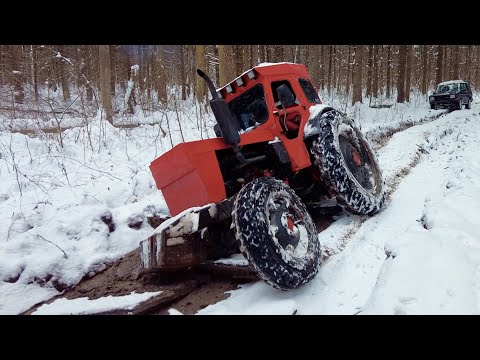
{"x": 124, "y": 277}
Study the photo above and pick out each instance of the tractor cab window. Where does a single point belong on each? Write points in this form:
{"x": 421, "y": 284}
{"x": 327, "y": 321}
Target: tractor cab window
{"x": 275, "y": 85}
{"x": 250, "y": 108}
{"x": 309, "y": 91}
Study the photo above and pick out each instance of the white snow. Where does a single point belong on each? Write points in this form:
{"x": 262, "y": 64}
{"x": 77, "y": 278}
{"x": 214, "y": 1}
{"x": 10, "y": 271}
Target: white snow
{"x": 275, "y": 140}
{"x": 52, "y": 200}
{"x": 17, "y": 298}
{"x": 235, "y": 259}
{"x": 82, "y": 306}
{"x": 174, "y": 312}
{"x": 54, "y": 191}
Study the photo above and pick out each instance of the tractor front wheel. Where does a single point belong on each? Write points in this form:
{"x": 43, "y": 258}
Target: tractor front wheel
{"x": 276, "y": 233}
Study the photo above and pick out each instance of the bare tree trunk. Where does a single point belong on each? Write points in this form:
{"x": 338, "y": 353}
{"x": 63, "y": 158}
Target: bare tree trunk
{"x": 200, "y": 64}
{"x": 254, "y": 55}
{"x": 113, "y": 67}
{"x": 349, "y": 69}
{"x": 381, "y": 75}
{"x": 19, "y": 94}
{"x": 477, "y": 70}
{"x": 105, "y": 79}
{"x": 279, "y": 53}
{"x": 33, "y": 56}
{"x": 329, "y": 73}
{"x": 87, "y": 73}
{"x": 183, "y": 77}
{"x": 369, "y": 70}
{"x": 222, "y": 65}
{"x": 162, "y": 77}
{"x": 375, "y": 70}
{"x": 61, "y": 66}
{"x": 314, "y": 64}
{"x": 424, "y": 69}
{"x": 357, "y": 75}
{"x": 468, "y": 63}
{"x": 238, "y": 59}
{"x": 456, "y": 61}
{"x": 334, "y": 74}
{"x": 408, "y": 72}
{"x": 262, "y": 53}
{"x": 439, "y": 74}
{"x": 402, "y": 58}
{"x": 322, "y": 66}
{"x": 389, "y": 70}
{"x": 246, "y": 57}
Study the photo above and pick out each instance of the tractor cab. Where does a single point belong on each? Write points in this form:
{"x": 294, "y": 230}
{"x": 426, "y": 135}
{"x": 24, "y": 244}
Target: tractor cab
{"x": 279, "y": 92}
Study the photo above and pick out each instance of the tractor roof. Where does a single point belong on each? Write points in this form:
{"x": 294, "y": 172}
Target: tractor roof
{"x": 267, "y": 69}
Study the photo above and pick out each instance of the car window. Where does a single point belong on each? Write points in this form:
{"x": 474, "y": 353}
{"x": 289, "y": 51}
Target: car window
{"x": 463, "y": 87}
{"x": 441, "y": 89}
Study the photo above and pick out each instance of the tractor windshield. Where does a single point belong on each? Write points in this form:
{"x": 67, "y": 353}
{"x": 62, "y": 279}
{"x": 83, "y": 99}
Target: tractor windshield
{"x": 250, "y": 108}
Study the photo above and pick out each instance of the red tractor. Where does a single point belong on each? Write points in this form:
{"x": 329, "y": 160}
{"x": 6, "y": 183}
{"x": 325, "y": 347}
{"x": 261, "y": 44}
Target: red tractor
{"x": 278, "y": 151}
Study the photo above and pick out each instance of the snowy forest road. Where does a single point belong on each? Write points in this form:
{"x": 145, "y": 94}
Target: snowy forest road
{"x": 417, "y": 163}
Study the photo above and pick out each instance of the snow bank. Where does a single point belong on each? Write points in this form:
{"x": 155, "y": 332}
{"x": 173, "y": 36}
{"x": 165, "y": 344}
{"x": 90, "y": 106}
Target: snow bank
{"x": 434, "y": 267}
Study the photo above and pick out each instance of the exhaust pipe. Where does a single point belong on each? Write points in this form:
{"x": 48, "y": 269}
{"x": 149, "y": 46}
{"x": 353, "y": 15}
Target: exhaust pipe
{"x": 209, "y": 82}
{"x": 225, "y": 120}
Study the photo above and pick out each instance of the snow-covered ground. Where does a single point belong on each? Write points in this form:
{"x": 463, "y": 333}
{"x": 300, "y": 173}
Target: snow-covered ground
{"x": 83, "y": 306}
{"x": 421, "y": 255}
{"x": 52, "y": 199}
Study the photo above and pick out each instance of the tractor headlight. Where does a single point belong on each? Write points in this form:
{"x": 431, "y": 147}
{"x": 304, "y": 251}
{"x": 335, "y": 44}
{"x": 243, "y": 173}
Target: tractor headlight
{"x": 432, "y": 98}
{"x": 452, "y": 96}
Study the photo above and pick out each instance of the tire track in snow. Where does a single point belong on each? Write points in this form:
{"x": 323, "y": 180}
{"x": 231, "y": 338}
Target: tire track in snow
{"x": 334, "y": 241}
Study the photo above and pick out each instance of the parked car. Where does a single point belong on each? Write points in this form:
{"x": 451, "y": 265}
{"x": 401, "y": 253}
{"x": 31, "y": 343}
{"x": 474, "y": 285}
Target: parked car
{"x": 452, "y": 94}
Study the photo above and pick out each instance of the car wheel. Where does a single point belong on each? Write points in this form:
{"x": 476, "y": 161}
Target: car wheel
{"x": 469, "y": 104}
{"x": 433, "y": 107}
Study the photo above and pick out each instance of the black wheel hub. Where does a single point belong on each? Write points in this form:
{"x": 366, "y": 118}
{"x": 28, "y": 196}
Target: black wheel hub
{"x": 286, "y": 219}
{"x": 358, "y": 161}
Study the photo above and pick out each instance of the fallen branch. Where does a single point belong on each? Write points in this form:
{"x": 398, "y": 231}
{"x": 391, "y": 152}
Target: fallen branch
{"x": 36, "y": 236}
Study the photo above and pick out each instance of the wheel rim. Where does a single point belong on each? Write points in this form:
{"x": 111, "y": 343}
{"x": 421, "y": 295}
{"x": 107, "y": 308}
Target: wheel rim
{"x": 358, "y": 161}
{"x": 287, "y": 222}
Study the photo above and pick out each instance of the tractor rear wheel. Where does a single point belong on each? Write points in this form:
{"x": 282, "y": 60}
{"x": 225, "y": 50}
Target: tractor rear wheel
{"x": 348, "y": 165}
{"x": 276, "y": 233}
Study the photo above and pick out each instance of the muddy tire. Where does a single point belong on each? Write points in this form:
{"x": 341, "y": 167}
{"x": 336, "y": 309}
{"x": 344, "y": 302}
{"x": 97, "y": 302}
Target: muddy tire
{"x": 276, "y": 233}
{"x": 348, "y": 165}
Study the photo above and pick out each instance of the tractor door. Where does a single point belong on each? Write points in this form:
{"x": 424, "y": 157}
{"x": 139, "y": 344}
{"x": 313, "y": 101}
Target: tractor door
{"x": 290, "y": 118}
